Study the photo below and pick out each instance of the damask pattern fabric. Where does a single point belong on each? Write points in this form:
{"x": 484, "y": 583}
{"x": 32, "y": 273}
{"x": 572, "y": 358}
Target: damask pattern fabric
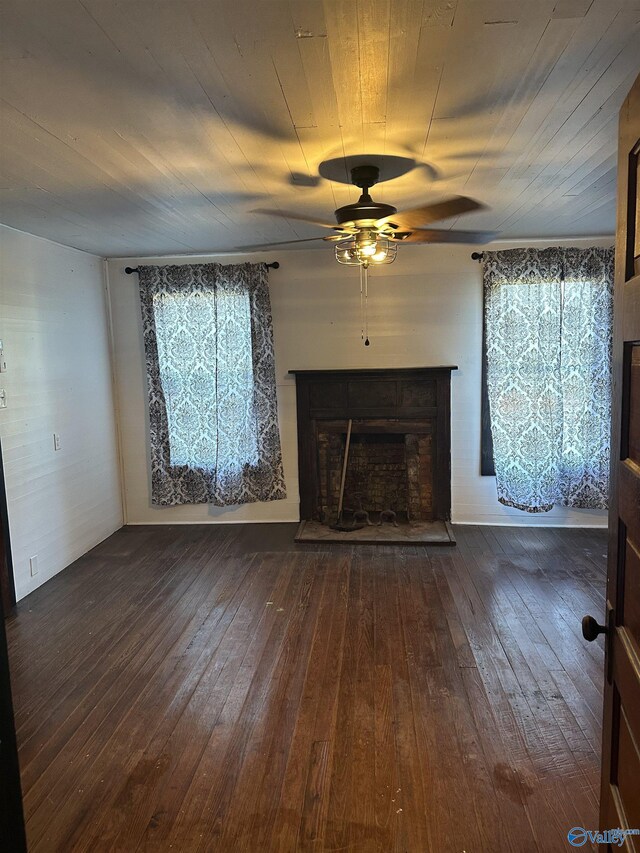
{"x": 213, "y": 419}
{"x": 548, "y": 326}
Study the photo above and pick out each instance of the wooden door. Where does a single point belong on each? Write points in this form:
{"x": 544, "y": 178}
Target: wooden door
{"x": 620, "y": 789}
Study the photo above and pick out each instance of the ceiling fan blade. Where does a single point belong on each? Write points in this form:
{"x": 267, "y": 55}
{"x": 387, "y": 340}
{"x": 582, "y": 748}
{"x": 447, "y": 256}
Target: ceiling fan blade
{"x": 331, "y": 238}
{"x": 428, "y": 213}
{"x": 435, "y": 235}
{"x": 288, "y": 214}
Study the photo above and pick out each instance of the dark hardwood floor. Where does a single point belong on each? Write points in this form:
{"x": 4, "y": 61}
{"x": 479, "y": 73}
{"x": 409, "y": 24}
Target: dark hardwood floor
{"x": 217, "y": 688}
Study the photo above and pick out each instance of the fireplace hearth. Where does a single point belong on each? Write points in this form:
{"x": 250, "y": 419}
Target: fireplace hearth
{"x": 393, "y": 427}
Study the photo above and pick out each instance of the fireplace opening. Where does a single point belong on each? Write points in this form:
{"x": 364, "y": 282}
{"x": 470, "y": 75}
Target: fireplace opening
{"x": 376, "y": 476}
{"x": 386, "y": 471}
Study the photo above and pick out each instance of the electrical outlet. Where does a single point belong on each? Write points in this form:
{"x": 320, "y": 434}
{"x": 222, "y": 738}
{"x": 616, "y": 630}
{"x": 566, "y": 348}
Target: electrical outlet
{"x": 3, "y": 363}
{"x": 56, "y": 441}
{"x": 3, "y": 399}
{"x": 33, "y": 565}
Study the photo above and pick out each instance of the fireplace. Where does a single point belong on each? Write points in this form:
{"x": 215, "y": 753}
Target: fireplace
{"x": 393, "y": 428}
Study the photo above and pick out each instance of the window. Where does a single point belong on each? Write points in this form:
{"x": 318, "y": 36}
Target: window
{"x": 548, "y": 334}
{"x": 213, "y": 424}
{"x": 193, "y": 376}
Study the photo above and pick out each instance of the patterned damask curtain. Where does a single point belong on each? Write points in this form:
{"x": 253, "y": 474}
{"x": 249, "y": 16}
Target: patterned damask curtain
{"x": 211, "y": 380}
{"x": 548, "y": 325}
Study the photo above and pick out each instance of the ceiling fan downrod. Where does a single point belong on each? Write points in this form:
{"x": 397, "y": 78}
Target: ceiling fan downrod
{"x": 365, "y": 177}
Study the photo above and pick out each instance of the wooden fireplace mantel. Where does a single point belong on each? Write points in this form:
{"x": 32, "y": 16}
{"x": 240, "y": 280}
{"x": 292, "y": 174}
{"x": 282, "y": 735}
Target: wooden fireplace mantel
{"x": 414, "y": 395}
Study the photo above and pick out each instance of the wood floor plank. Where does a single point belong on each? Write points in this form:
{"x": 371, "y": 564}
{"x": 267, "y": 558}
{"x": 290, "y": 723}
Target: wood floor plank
{"x": 360, "y": 801}
{"x": 327, "y": 711}
{"x": 302, "y": 793}
{"x": 416, "y": 766}
{"x": 221, "y": 689}
{"x": 338, "y": 817}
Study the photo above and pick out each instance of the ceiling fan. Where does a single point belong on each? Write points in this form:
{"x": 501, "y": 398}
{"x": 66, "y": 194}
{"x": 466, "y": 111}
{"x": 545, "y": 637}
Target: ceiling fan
{"x": 368, "y": 232}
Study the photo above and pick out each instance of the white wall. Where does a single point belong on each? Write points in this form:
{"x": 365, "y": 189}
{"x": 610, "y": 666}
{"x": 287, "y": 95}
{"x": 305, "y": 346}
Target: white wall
{"x": 425, "y": 309}
{"x": 53, "y": 323}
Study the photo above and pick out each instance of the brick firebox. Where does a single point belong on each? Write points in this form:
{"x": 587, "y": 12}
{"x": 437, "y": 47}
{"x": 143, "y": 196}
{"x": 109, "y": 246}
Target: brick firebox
{"x": 384, "y": 471}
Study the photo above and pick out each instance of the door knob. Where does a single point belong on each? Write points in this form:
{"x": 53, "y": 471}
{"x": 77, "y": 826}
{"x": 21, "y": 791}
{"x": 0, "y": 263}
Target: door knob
{"x": 591, "y": 629}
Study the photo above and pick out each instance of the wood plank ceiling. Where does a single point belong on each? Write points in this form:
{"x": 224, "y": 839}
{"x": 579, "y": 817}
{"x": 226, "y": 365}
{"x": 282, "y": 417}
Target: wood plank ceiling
{"x": 156, "y": 126}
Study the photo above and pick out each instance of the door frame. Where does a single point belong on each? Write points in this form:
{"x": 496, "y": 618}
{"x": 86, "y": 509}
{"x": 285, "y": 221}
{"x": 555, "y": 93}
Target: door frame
{"x": 7, "y": 578}
{"x": 619, "y": 650}
{"x": 11, "y": 809}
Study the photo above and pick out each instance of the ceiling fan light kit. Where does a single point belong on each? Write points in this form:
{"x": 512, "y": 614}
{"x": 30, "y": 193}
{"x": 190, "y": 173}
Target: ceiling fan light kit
{"x": 364, "y": 249}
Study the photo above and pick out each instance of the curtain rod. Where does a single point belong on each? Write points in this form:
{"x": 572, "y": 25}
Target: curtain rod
{"x": 273, "y": 266}
{"x": 477, "y": 256}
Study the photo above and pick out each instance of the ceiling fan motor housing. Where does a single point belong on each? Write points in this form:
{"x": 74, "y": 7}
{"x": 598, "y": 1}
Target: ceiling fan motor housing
{"x": 365, "y": 210}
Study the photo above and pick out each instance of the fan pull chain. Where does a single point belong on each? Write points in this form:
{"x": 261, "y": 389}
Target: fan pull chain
{"x": 361, "y": 304}
{"x": 366, "y": 305}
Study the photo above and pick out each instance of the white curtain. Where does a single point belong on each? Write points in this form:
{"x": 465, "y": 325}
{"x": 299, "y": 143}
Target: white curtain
{"x": 211, "y": 379}
{"x": 548, "y": 327}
